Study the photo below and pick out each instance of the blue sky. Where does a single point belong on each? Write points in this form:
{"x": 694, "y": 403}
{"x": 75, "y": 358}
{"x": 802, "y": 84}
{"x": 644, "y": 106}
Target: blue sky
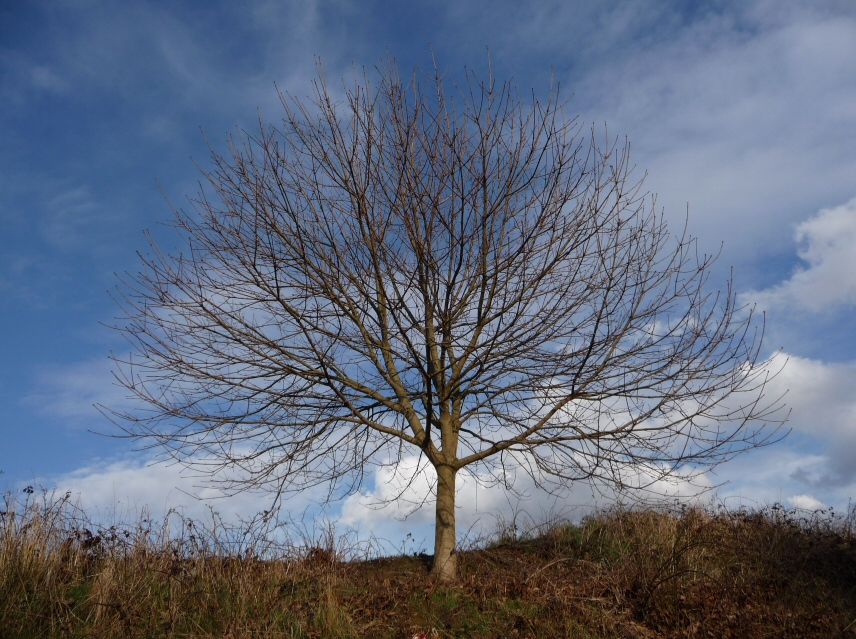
{"x": 744, "y": 111}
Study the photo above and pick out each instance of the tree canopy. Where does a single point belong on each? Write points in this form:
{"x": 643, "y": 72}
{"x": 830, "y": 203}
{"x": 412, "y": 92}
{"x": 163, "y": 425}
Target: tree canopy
{"x": 411, "y": 265}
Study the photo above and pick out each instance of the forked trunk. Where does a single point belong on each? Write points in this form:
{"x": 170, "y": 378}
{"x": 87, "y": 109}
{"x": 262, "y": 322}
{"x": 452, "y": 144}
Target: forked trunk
{"x": 445, "y": 566}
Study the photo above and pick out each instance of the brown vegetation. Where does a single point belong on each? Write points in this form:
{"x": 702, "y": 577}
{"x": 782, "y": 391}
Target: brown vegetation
{"x": 620, "y": 573}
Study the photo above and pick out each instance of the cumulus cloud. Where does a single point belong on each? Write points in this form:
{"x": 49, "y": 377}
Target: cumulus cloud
{"x": 823, "y": 406}
{"x": 805, "y": 502}
{"x": 124, "y": 488}
{"x": 402, "y": 500}
{"x": 397, "y": 512}
{"x": 814, "y": 467}
{"x": 135, "y": 484}
{"x": 827, "y": 246}
{"x": 817, "y": 461}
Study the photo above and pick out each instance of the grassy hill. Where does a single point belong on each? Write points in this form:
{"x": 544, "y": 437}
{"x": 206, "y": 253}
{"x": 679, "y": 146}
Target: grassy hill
{"x": 620, "y": 573}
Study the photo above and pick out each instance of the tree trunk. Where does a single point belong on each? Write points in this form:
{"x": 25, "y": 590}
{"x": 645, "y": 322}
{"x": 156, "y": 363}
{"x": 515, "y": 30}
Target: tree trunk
{"x": 445, "y": 566}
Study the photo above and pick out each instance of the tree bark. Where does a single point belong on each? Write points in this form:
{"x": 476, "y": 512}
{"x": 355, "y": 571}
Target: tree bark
{"x": 445, "y": 558}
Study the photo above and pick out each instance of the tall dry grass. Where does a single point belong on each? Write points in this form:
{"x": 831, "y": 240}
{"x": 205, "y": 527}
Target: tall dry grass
{"x": 620, "y": 573}
{"x": 62, "y": 575}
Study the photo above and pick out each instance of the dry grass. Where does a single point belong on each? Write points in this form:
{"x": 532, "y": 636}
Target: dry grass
{"x": 621, "y": 573}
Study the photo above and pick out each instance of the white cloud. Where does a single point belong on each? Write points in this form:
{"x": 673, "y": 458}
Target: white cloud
{"x": 818, "y": 457}
{"x": 817, "y": 462}
{"x": 827, "y": 244}
{"x": 805, "y": 502}
{"x": 823, "y": 404}
{"x": 745, "y": 115}
{"x": 122, "y": 489}
{"x": 133, "y": 485}
{"x": 403, "y": 502}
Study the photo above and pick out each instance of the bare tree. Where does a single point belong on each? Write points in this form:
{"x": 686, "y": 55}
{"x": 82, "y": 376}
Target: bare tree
{"x": 471, "y": 278}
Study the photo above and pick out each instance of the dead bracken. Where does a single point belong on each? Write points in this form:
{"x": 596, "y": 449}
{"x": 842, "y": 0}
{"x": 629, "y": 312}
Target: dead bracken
{"x": 655, "y": 572}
